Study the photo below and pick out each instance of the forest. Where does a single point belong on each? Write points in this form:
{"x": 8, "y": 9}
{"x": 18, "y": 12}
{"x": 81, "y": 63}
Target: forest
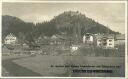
{"x": 69, "y": 22}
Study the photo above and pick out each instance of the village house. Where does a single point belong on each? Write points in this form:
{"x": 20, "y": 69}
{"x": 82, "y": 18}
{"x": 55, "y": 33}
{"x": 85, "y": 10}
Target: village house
{"x": 39, "y": 40}
{"x": 57, "y": 39}
{"x": 74, "y": 47}
{"x": 120, "y": 39}
{"x": 54, "y": 39}
{"x": 25, "y": 46}
{"x": 88, "y": 38}
{"x": 42, "y": 40}
{"x": 105, "y": 41}
{"x": 10, "y": 39}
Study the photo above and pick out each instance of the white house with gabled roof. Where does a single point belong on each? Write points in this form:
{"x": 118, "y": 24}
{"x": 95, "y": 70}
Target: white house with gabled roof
{"x": 10, "y": 39}
{"x": 88, "y": 38}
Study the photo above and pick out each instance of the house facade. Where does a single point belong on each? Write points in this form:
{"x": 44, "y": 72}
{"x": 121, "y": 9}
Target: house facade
{"x": 42, "y": 40}
{"x": 88, "y": 38}
{"x": 105, "y": 41}
{"x": 58, "y": 39}
{"x": 120, "y": 39}
{"x": 10, "y": 39}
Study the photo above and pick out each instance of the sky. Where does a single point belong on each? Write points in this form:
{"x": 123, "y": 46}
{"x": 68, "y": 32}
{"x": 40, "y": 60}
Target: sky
{"x": 111, "y": 15}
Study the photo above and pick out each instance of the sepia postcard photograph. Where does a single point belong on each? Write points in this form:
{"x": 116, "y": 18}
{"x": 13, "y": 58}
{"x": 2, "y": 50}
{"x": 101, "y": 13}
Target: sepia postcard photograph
{"x": 64, "y": 39}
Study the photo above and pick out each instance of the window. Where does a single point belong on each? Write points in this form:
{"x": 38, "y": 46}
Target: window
{"x": 99, "y": 40}
{"x": 110, "y": 40}
{"x": 110, "y": 44}
{"x": 99, "y": 44}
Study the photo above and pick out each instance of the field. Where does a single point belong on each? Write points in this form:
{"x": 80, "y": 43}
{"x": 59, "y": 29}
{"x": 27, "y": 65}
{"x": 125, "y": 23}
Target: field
{"x": 59, "y": 62}
{"x": 42, "y": 65}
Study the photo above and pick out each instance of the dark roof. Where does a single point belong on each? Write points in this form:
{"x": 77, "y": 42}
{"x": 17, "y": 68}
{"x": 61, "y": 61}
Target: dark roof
{"x": 120, "y": 37}
{"x": 109, "y": 36}
{"x": 11, "y": 35}
{"x": 62, "y": 37}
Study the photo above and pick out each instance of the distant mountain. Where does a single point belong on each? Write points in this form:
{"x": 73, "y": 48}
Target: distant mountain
{"x": 16, "y": 26}
{"x": 70, "y": 23}
{"x": 8, "y": 22}
{"x": 69, "y": 20}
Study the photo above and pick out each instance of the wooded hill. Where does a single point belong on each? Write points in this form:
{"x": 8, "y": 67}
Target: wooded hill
{"x": 70, "y": 23}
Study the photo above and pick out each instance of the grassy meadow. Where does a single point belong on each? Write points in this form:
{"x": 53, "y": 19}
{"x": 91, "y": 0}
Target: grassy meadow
{"x": 19, "y": 62}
